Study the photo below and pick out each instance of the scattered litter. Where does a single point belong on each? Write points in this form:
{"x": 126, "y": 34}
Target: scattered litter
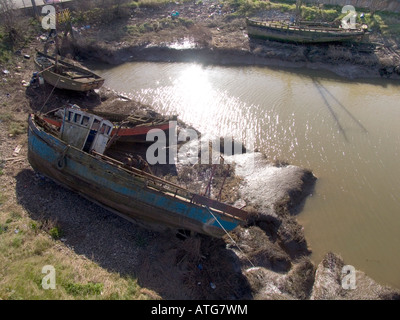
{"x": 27, "y": 56}
{"x": 15, "y": 159}
{"x": 212, "y": 285}
{"x": 174, "y": 14}
{"x": 200, "y": 266}
{"x": 25, "y": 83}
{"x": 240, "y": 203}
{"x": 17, "y": 150}
{"x": 6, "y": 71}
{"x": 16, "y": 231}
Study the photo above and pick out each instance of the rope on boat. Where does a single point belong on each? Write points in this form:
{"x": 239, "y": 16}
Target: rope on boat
{"x": 58, "y": 79}
{"x": 236, "y": 244}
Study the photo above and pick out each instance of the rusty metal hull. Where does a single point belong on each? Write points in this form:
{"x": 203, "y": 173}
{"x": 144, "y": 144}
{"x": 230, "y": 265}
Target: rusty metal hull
{"x": 127, "y": 194}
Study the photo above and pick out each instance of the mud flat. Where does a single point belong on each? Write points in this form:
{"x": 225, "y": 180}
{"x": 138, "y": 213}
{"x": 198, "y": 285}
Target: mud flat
{"x": 210, "y": 34}
{"x": 272, "y": 55}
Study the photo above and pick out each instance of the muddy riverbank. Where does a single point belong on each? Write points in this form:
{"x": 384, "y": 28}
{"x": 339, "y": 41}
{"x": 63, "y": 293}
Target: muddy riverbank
{"x": 208, "y": 33}
{"x": 266, "y": 259}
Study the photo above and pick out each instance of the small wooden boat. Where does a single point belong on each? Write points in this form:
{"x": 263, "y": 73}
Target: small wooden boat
{"x": 63, "y": 73}
{"x": 286, "y": 32}
{"x": 73, "y": 156}
{"x": 127, "y": 128}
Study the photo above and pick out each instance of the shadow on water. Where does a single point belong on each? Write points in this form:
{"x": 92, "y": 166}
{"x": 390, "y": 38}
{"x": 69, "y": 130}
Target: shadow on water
{"x": 160, "y": 261}
{"x": 324, "y": 92}
{"x": 341, "y": 105}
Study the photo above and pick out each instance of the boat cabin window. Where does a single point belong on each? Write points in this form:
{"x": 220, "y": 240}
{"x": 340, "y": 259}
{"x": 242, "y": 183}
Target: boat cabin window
{"x": 77, "y": 118}
{"x": 96, "y": 124}
{"x": 86, "y": 131}
{"x": 85, "y": 121}
{"x": 105, "y": 129}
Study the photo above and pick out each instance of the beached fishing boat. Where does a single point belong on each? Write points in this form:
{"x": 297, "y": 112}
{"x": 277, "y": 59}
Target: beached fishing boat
{"x": 286, "y": 32}
{"x": 126, "y": 128}
{"x": 73, "y": 156}
{"x": 63, "y": 74}
{"x": 298, "y": 31}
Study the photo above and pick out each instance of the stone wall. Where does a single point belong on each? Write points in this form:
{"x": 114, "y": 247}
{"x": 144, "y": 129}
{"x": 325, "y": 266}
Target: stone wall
{"x": 387, "y": 5}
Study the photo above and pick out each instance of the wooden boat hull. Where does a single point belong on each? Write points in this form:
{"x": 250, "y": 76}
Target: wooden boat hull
{"x": 286, "y": 33}
{"x": 132, "y": 196}
{"x": 136, "y": 134}
{"x": 64, "y": 82}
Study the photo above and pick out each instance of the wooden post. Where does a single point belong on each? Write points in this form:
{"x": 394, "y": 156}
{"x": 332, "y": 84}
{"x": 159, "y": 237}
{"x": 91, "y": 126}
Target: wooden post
{"x": 34, "y": 8}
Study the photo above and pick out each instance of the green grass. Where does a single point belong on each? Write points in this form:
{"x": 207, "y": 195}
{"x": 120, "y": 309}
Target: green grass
{"x": 88, "y": 289}
{"x": 5, "y": 48}
{"x": 157, "y": 25}
{"x": 55, "y": 233}
{"x": 3, "y": 198}
{"x": 3, "y": 228}
{"x": 24, "y": 254}
{"x": 14, "y": 126}
{"x": 27, "y": 245}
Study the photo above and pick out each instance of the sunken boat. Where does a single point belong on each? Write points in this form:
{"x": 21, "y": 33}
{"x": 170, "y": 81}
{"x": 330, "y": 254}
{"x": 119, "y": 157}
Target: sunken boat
{"x": 73, "y": 156}
{"x": 62, "y": 73}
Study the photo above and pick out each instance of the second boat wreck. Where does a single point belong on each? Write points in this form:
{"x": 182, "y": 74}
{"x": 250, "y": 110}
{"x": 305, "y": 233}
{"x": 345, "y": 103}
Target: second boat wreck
{"x": 73, "y": 156}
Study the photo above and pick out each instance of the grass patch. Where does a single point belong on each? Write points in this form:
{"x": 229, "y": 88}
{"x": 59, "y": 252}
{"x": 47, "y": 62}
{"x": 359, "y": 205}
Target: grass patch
{"x": 14, "y": 127}
{"x": 55, "y": 233}
{"x": 88, "y": 289}
{"x": 3, "y": 228}
{"x": 17, "y": 241}
{"x": 3, "y": 199}
{"x": 5, "y": 48}
{"x": 24, "y": 254}
{"x": 157, "y": 25}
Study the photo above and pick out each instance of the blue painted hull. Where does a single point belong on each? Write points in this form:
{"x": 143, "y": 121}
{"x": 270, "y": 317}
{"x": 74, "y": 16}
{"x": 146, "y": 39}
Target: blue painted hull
{"x": 130, "y": 195}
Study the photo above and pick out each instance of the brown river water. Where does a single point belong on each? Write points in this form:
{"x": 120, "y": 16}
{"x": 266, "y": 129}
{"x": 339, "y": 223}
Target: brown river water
{"x": 347, "y": 132}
